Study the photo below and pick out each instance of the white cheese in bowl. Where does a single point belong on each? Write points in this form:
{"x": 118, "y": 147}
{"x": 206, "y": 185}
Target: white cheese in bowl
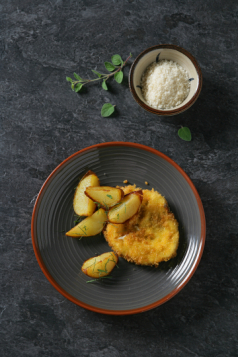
{"x": 165, "y": 84}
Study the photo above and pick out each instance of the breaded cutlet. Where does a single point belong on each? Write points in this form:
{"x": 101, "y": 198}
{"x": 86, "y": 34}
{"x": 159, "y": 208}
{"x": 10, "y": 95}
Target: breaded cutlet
{"x": 148, "y": 238}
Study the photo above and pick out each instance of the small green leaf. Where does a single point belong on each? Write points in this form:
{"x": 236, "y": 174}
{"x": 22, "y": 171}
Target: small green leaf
{"x": 109, "y": 66}
{"x": 118, "y": 76}
{"x": 110, "y": 196}
{"x": 107, "y": 110}
{"x": 77, "y": 77}
{"x": 185, "y": 134}
{"x": 117, "y": 60}
{"x": 97, "y": 73}
{"x": 131, "y": 54}
{"x": 72, "y": 86}
{"x": 78, "y": 86}
{"x": 104, "y": 85}
{"x": 69, "y": 79}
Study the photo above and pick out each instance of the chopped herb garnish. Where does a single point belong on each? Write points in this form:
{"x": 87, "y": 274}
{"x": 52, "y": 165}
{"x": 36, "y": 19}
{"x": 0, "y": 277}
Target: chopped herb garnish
{"x": 98, "y": 204}
{"x": 83, "y": 230}
{"x": 99, "y": 279}
{"x": 77, "y": 220}
{"x": 94, "y": 264}
{"x": 110, "y": 196}
{"x": 106, "y": 206}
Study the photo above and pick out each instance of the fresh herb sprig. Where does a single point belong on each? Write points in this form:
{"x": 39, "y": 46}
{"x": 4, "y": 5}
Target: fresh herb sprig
{"x": 78, "y": 219}
{"x": 116, "y": 69}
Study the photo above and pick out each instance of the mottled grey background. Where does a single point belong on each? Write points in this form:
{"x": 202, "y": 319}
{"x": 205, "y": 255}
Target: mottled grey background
{"x": 43, "y": 122}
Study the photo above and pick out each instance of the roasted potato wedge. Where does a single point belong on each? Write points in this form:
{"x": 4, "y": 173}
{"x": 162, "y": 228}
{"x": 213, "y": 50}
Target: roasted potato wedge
{"x": 105, "y": 195}
{"x": 100, "y": 266}
{"x": 83, "y": 205}
{"x": 90, "y": 226}
{"x": 127, "y": 208}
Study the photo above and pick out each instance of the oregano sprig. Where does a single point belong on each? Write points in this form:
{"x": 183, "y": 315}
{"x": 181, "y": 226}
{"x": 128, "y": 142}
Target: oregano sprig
{"x": 115, "y": 67}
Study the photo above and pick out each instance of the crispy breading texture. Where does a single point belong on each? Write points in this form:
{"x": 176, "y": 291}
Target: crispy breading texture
{"x": 150, "y": 237}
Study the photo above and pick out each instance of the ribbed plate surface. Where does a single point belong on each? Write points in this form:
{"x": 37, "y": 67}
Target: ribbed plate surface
{"x": 133, "y": 288}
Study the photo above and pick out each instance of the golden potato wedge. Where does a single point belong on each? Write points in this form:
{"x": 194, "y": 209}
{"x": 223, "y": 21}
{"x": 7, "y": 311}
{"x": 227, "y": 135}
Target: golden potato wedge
{"x": 100, "y": 266}
{"x": 83, "y": 205}
{"x": 127, "y": 208}
{"x": 90, "y": 226}
{"x": 105, "y": 195}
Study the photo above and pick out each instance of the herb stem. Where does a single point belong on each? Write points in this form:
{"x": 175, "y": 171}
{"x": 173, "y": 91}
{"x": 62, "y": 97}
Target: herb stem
{"x": 103, "y": 76}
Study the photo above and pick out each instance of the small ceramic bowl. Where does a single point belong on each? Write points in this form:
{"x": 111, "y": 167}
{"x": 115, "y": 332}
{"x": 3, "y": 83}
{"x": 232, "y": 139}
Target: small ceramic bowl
{"x": 169, "y": 52}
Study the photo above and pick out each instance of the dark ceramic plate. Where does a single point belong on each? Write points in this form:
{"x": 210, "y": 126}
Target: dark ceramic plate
{"x": 132, "y": 288}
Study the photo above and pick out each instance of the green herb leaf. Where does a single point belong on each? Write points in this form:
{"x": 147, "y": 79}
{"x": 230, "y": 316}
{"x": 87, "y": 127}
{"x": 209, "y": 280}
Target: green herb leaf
{"x": 109, "y": 66}
{"x": 72, "y": 86}
{"x": 185, "y": 134}
{"x": 104, "y": 85}
{"x": 118, "y": 76}
{"x": 91, "y": 281}
{"x": 117, "y": 60}
{"x": 110, "y": 196}
{"x": 77, "y": 220}
{"x": 69, "y": 79}
{"x": 78, "y": 86}
{"x": 130, "y": 54}
{"x": 97, "y": 73}
{"x": 99, "y": 279}
{"x": 107, "y": 110}
{"x": 77, "y": 77}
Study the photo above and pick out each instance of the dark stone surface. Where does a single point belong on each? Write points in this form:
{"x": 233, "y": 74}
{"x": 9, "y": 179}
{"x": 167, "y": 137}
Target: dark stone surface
{"x": 43, "y": 122}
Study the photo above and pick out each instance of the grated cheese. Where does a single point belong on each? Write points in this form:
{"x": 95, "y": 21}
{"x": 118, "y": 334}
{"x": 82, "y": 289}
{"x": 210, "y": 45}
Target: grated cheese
{"x": 122, "y": 237}
{"x": 165, "y": 84}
